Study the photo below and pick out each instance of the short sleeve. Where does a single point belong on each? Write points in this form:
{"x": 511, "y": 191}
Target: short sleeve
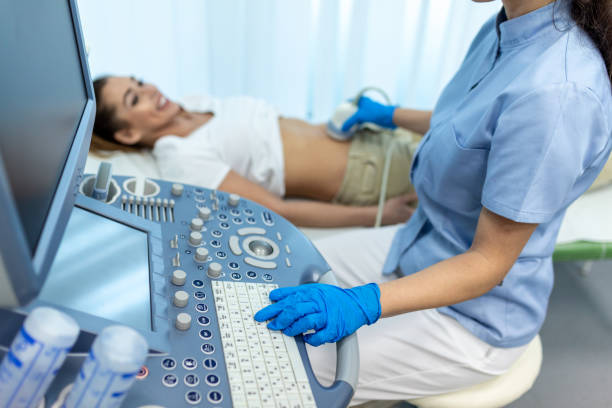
{"x": 541, "y": 147}
{"x": 182, "y": 160}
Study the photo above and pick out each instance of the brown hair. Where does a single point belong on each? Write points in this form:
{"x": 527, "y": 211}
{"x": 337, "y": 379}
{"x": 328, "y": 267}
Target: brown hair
{"x": 595, "y": 18}
{"x": 106, "y": 124}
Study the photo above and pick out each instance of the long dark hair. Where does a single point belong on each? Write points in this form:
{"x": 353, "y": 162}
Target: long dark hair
{"x": 595, "y": 18}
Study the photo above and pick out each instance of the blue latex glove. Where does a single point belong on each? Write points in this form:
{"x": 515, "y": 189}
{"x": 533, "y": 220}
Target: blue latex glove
{"x": 332, "y": 312}
{"x": 373, "y": 112}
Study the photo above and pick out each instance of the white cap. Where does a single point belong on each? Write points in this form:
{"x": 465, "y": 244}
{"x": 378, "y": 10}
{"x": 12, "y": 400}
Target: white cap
{"x": 122, "y": 348}
{"x": 52, "y": 327}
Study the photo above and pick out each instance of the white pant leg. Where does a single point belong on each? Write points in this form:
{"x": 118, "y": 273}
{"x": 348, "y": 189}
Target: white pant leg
{"x": 407, "y": 356}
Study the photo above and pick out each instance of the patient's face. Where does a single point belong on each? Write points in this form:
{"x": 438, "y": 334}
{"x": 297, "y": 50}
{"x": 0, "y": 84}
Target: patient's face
{"x": 139, "y": 104}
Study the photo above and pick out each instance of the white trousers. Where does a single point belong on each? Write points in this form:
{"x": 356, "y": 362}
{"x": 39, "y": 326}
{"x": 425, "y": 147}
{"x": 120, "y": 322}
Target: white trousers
{"x": 410, "y": 355}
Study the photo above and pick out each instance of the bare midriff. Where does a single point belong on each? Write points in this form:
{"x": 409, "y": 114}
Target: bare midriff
{"x": 314, "y": 162}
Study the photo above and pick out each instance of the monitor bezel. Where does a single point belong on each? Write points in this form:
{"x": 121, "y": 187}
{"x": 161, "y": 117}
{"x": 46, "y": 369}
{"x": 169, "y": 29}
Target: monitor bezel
{"x": 27, "y": 272}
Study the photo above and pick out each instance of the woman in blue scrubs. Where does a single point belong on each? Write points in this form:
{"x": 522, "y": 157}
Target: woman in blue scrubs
{"x": 519, "y": 133}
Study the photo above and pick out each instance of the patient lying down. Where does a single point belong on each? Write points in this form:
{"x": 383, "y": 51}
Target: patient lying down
{"x": 241, "y": 145}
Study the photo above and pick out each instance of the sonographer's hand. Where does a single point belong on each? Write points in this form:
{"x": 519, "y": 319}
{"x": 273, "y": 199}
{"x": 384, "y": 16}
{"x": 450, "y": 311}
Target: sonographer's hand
{"x": 373, "y": 112}
{"x": 332, "y": 312}
{"x": 399, "y": 209}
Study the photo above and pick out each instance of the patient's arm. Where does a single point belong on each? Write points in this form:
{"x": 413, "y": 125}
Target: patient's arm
{"x": 306, "y": 213}
{"x": 411, "y": 119}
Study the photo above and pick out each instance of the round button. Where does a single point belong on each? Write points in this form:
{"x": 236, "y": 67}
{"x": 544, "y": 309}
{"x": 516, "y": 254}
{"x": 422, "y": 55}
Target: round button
{"x": 201, "y": 255}
{"x": 190, "y": 364}
{"x": 205, "y": 334}
{"x": 177, "y": 189}
{"x": 251, "y": 274}
{"x": 224, "y": 225}
{"x": 191, "y": 380}
{"x": 221, "y": 255}
{"x": 234, "y": 212}
{"x": 179, "y": 277}
{"x": 248, "y": 211}
{"x": 143, "y": 372}
{"x": 193, "y": 397}
{"x": 168, "y": 363}
{"x": 170, "y": 380}
{"x": 181, "y": 298}
{"x": 212, "y": 380}
{"x": 233, "y": 199}
{"x": 214, "y": 270}
{"x": 222, "y": 217}
{"x": 207, "y": 348}
{"x": 251, "y": 220}
{"x": 215, "y": 397}
{"x": 236, "y": 276}
{"x": 196, "y": 224}
{"x": 199, "y": 295}
{"x": 267, "y": 276}
{"x": 237, "y": 220}
{"x": 201, "y": 307}
{"x": 204, "y": 213}
{"x": 234, "y": 265}
{"x": 210, "y": 363}
{"x": 183, "y": 321}
{"x": 215, "y": 243}
{"x": 197, "y": 283}
{"x": 216, "y": 233}
{"x": 203, "y": 320}
{"x": 195, "y": 238}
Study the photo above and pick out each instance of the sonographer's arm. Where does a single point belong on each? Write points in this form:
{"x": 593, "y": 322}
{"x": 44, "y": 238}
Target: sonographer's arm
{"x": 411, "y": 119}
{"x": 306, "y": 213}
{"x": 496, "y": 247}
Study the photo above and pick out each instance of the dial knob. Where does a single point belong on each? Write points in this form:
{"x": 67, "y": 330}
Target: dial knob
{"x": 183, "y": 321}
{"x": 233, "y": 199}
{"x": 195, "y": 238}
{"x": 201, "y": 255}
{"x": 214, "y": 270}
{"x": 180, "y": 298}
{"x": 196, "y": 224}
{"x": 204, "y": 213}
{"x": 179, "y": 277}
{"x": 177, "y": 189}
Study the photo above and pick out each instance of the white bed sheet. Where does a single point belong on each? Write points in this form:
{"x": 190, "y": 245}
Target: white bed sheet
{"x": 588, "y": 219}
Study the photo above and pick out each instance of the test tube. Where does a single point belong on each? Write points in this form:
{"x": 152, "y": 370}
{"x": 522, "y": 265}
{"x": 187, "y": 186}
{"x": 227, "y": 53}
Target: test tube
{"x": 107, "y": 374}
{"x": 35, "y": 356}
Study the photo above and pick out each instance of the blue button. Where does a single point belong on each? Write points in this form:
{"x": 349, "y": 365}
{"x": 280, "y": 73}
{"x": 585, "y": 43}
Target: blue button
{"x": 199, "y": 295}
{"x": 267, "y": 218}
{"x": 168, "y": 363}
{"x": 210, "y": 363}
{"x": 189, "y": 364}
{"x": 251, "y": 220}
{"x": 169, "y": 380}
{"x": 208, "y": 348}
{"x": 212, "y": 379}
{"x": 236, "y": 276}
{"x": 237, "y": 220}
{"x": 251, "y": 274}
{"x": 234, "y": 265}
{"x": 216, "y": 233}
{"x": 222, "y": 217}
{"x": 193, "y": 397}
{"x": 267, "y": 276}
{"x": 224, "y": 225}
{"x": 198, "y": 283}
{"x": 216, "y": 243}
{"x": 235, "y": 212}
{"x": 215, "y": 397}
{"x": 201, "y": 307}
{"x": 191, "y": 380}
{"x": 221, "y": 254}
{"x": 248, "y": 211}
{"x": 204, "y": 320}
{"x": 205, "y": 334}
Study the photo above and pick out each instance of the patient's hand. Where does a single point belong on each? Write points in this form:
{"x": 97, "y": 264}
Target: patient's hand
{"x": 399, "y": 209}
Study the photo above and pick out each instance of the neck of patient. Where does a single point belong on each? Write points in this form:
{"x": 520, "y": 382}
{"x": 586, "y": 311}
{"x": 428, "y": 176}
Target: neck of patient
{"x": 516, "y": 8}
{"x": 182, "y": 125}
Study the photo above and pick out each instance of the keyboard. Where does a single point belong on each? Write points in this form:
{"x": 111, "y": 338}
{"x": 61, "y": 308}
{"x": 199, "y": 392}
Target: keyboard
{"x": 264, "y": 367}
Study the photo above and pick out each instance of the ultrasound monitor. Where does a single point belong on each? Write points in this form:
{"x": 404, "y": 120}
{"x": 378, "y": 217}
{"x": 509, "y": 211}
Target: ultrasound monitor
{"x": 47, "y": 109}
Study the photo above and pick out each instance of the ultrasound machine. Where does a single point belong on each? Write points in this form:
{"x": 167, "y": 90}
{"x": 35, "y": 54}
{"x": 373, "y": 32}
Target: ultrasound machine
{"x": 185, "y": 266}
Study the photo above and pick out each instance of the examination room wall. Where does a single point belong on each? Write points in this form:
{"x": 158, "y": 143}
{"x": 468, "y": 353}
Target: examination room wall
{"x": 304, "y": 56}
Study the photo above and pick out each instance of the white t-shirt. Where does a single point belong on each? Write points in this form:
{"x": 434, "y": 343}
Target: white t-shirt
{"x": 243, "y": 135}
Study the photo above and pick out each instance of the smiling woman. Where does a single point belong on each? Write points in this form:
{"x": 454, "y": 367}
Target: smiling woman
{"x": 242, "y": 145}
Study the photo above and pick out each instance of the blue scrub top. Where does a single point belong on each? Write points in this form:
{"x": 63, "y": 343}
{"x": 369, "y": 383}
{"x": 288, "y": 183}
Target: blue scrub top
{"x": 522, "y": 129}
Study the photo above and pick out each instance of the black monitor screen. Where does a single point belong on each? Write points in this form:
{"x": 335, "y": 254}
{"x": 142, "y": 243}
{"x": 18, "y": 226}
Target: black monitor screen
{"x": 43, "y": 98}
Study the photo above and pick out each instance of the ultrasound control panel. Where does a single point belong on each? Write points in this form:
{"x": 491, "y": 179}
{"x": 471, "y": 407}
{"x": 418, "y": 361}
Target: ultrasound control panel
{"x": 213, "y": 258}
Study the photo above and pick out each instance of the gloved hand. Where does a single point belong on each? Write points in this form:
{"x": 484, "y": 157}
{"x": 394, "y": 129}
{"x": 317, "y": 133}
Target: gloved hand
{"x": 332, "y": 312}
{"x": 373, "y": 112}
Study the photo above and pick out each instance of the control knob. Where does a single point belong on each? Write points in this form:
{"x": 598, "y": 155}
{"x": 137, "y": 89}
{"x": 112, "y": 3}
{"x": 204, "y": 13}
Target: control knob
{"x": 179, "y": 277}
{"x": 204, "y": 213}
{"x": 214, "y": 270}
{"x": 233, "y": 199}
{"x": 180, "y": 298}
{"x": 195, "y": 238}
{"x": 183, "y": 321}
{"x": 201, "y": 255}
{"x": 196, "y": 224}
{"x": 177, "y": 189}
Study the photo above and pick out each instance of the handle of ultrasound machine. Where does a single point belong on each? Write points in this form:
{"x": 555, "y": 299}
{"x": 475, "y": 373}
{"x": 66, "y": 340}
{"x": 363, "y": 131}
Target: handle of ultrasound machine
{"x": 347, "y": 349}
